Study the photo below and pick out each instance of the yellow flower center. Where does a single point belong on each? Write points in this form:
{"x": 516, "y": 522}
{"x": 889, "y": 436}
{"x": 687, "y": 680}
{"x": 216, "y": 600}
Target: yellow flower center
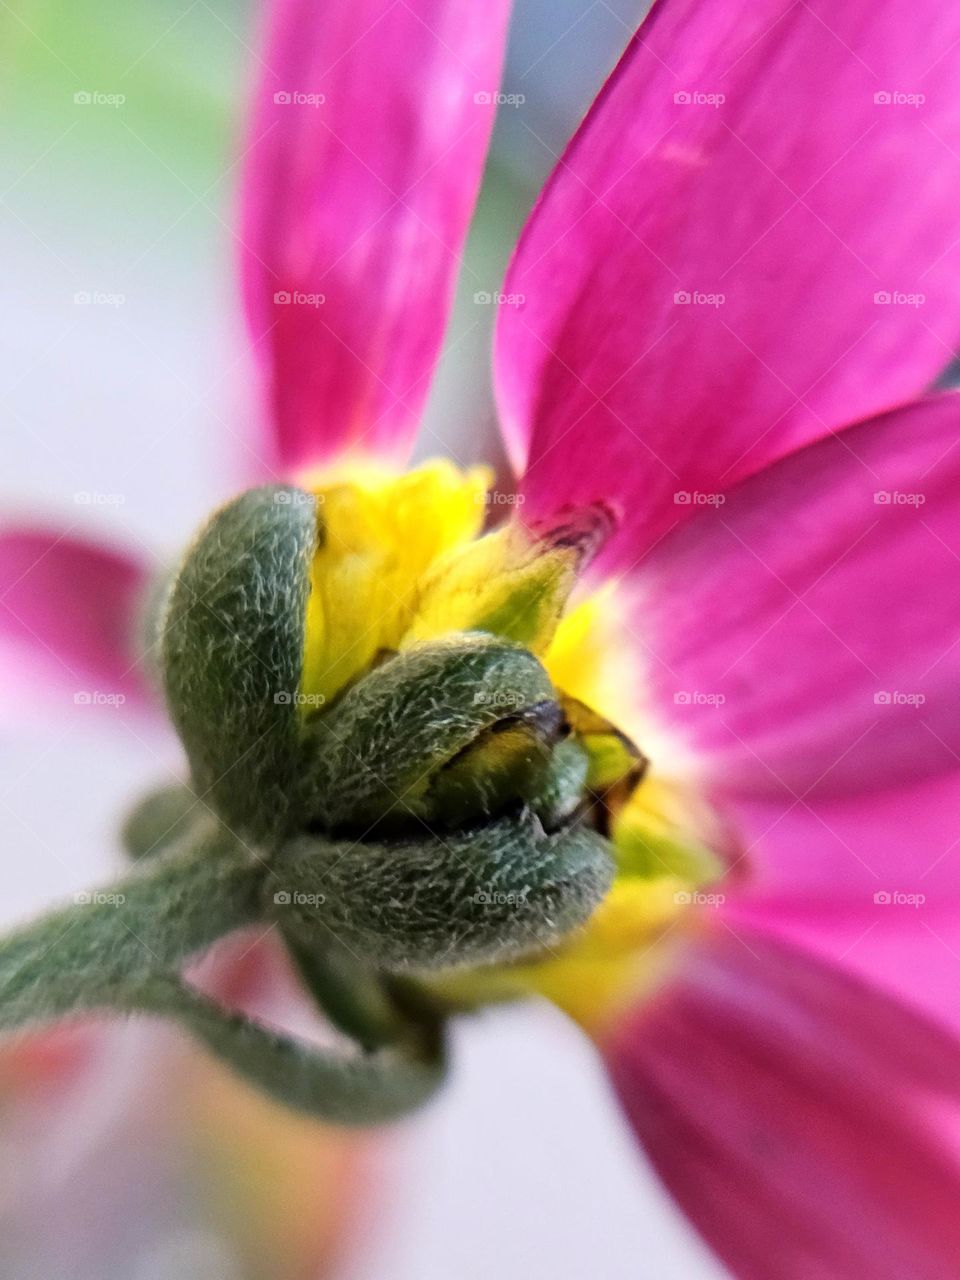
{"x": 404, "y": 558}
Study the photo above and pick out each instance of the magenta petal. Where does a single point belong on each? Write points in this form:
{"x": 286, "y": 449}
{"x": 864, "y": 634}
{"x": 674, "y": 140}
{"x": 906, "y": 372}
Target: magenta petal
{"x": 802, "y": 636}
{"x": 70, "y": 611}
{"x": 908, "y": 948}
{"x": 871, "y": 882}
{"x": 797, "y": 1116}
{"x": 702, "y": 285}
{"x": 368, "y": 142}
{"x": 848, "y": 853}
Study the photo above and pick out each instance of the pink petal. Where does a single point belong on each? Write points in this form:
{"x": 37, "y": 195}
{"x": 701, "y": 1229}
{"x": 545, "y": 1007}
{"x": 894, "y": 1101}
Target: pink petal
{"x": 368, "y": 142}
{"x": 798, "y": 198}
{"x": 910, "y": 951}
{"x": 803, "y": 635}
{"x": 869, "y": 882}
{"x": 70, "y": 613}
{"x": 829, "y": 854}
{"x": 797, "y": 1117}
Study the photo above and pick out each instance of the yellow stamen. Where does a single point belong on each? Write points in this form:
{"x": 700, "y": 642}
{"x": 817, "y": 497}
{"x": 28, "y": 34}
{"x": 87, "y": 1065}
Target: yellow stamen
{"x": 381, "y": 533}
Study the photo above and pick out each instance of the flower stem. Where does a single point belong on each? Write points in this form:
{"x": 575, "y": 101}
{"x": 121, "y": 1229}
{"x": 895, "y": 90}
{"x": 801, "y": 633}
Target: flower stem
{"x": 121, "y": 948}
{"x": 99, "y": 951}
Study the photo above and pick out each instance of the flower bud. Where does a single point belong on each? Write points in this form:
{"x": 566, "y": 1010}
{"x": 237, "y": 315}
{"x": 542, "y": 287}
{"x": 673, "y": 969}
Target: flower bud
{"x": 431, "y": 812}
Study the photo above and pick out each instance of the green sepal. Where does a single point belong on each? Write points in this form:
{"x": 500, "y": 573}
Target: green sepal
{"x": 232, "y": 654}
{"x": 614, "y": 760}
{"x": 515, "y": 581}
{"x": 383, "y": 753}
{"x": 506, "y": 763}
{"x": 354, "y": 996}
{"x": 498, "y": 892}
{"x": 561, "y": 789}
{"x": 161, "y": 821}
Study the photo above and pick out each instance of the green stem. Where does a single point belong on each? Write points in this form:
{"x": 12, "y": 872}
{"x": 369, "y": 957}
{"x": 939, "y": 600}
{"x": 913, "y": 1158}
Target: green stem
{"x": 120, "y": 949}
{"x": 98, "y": 952}
{"x": 355, "y": 1088}
{"x": 353, "y": 996}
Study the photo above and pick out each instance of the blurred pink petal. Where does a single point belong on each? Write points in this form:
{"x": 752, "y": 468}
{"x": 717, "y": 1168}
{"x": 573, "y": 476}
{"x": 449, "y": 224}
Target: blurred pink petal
{"x": 368, "y": 142}
{"x": 37, "y": 1066}
{"x": 70, "y": 614}
{"x": 909, "y": 949}
{"x": 835, "y": 853}
{"x": 738, "y": 150}
{"x": 796, "y": 1116}
{"x": 871, "y": 882}
{"x": 802, "y": 636}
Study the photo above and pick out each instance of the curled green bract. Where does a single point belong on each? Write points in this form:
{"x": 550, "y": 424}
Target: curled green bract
{"x": 447, "y": 732}
{"x": 231, "y": 646}
{"x": 431, "y": 817}
{"x": 499, "y": 892}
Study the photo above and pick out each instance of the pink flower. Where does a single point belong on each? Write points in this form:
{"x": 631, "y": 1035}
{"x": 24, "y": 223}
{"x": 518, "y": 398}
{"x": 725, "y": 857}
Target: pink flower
{"x": 741, "y": 276}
